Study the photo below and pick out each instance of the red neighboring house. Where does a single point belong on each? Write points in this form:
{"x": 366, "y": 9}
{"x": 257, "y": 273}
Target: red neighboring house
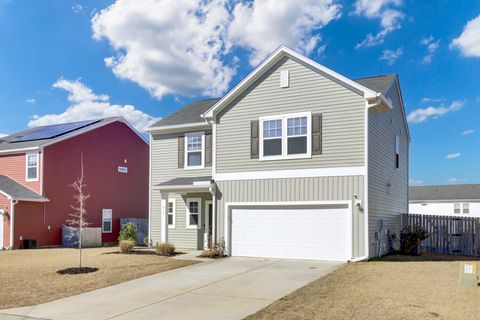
{"x": 37, "y": 167}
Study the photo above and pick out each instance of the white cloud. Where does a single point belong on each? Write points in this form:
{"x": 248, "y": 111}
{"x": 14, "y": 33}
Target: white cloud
{"x": 31, "y": 101}
{"x": 456, "y": 180}
{"x": 422, "y": 115}
{"x": 184, "y": 47}
{"x": 427, "y": 99}
{"x": 261, "y": 26}
{"x": 468, "y": 132}
{"x": 432, "y": 46}
{"x": 3, "y": 135}
{"x": 469, "y": 41}
{"x": 385, "y": 10}
{"x": 86, "y": 105}
{"x": 414, "y": 182}
{"x": 391, "y": 55}
{"x": 77, "y": 8}
{"x": 453, "y": 155}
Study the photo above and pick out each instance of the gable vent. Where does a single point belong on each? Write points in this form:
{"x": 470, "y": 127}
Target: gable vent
{"x": 284, "y": 79}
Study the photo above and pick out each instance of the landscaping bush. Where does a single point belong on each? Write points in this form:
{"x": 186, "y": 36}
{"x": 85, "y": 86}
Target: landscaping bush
{"x": 126, "y": 246}
{"x": 129, "y": 232}
{"x": 165, "y": 249}
{"x": 216, "y": 251}
{"x": 410, "y": 238}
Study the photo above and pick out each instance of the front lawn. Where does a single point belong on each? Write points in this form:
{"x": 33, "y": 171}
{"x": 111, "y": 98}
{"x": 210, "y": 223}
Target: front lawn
{"x": 29, "y": 277}
{"x": 382, "y": 290}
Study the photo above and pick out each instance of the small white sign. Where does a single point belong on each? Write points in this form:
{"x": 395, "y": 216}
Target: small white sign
{"x": 122, "y": 169}
{"x": 468, "y": 268}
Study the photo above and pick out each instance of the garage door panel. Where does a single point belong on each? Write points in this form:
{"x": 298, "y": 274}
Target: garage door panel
{"x": 305, "y": 233}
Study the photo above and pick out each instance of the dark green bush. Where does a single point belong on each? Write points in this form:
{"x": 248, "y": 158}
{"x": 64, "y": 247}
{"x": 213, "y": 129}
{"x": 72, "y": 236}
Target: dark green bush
{"x": 129, "y": 232}
{"x": 410, "y": 238}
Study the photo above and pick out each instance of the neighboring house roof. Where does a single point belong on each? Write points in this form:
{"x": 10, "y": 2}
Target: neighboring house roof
{"x": 186, "y": 183}
{"x": 444, "y": 193}
{"x": 188, "y": 114}
{"x": 35, "y": 138}
{"x": 16, "y": 191}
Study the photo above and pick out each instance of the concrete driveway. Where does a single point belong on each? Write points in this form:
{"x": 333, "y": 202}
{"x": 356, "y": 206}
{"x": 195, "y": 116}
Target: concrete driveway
{"x": 229, "y": 288}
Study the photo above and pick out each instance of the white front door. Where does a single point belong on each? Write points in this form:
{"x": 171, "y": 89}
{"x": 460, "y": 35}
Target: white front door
{"x": 295, "y": 233}
{"x": 1, "y": 229}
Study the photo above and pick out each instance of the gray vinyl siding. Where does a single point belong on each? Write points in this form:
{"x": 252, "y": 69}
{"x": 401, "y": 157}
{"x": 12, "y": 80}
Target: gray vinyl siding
{"x": 164, "y": 167}
{"x": 343, "y": 113}
{"x": 295, "y": 189}
{"x": 386, "y": 203}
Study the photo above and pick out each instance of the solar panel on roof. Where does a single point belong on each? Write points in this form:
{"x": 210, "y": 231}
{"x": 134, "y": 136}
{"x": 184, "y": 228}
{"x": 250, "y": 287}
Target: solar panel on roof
{"x": 54, "y": 131}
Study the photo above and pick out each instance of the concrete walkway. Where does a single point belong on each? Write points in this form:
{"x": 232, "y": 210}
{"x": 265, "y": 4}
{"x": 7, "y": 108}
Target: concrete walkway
{"x": 229, "y": 288}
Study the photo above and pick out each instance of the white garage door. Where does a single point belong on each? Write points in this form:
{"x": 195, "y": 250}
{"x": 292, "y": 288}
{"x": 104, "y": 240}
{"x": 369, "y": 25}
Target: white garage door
{"x": 295, "y": 233}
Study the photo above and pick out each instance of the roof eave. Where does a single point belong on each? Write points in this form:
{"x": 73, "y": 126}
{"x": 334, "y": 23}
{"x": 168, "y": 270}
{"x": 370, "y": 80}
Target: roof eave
{"x": 178, "y": 127}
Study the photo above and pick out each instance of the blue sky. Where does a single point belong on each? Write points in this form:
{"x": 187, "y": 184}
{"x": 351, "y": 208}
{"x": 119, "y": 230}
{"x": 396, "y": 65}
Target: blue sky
{"x": 69, "y": 60}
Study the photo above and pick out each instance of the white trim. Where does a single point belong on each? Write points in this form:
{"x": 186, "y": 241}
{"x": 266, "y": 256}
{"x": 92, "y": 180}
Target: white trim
{"x": 228, "y": 216}
{"x": 163, "y": 221}
{"x": 278, "y": 54}
{"x": 188, "y": 187}
{"x": 12, "y": 223}
{"x": 149, "y": 189}
{"x": 295, "y": 173}
{"x": 6, "y": 195}
{"x": 174, "y": 213}
{"x": 2, "y": 222}
{"x": 202, "y": 156}
{"x": 284, "y": 138}
{"x": 214, "y": 149}
{"x": 187, "y": 216}
{"x": 207, "y": 220}
{"x": 42, "y": 171}
{"x": 106, "y": 211}
{"x": 365, "y": 196}
{"x": 27, "y": 179}
{"x": 178, "y": 127}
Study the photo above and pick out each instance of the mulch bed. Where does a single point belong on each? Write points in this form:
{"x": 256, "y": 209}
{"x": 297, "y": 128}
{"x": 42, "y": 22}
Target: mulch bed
{"x": 77, "y": 270}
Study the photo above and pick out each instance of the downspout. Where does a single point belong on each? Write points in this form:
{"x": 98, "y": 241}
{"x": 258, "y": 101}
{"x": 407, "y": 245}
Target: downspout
{"x": 12, "y": 215}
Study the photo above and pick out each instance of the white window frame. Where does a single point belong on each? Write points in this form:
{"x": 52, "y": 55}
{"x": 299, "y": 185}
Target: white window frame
{"x": 467, "y": 205}
{"x": 397, "y": 151}
{"x": 284, "y": 137}
{"x": 455, "y": 205}
{"x": 174, "y": 212}
{"x": 27, "y": 155}
{"x": 202, "y": 157}
{"x": 104, "y": 211}
{"x": 187, "y": 222}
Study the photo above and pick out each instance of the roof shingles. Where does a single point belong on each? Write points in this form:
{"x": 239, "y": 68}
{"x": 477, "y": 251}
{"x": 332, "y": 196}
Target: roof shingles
{"x": 17, "y": 191}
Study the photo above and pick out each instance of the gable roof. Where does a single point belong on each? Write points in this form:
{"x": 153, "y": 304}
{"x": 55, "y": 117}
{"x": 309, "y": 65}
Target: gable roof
{"x": 374, "y": 97}
{"x": 16, "y": 191}
{"x": 445, "y": 193}
{"x": 191, "y": 113}
{"x": 10, "y": 143}
{"x": 380, "y": 83}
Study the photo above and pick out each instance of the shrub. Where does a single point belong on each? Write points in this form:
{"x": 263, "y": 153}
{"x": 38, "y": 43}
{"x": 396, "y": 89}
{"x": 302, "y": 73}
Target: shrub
{"x": 129, "y": 232}
{"x": 216, "y": 251}
{"x": 165, "y": 249}
{"x": 410, "y": 238}
{"x": 126, "y": 246}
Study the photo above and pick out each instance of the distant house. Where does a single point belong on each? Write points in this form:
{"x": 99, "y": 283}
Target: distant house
{"x": 448, "y": 200}
{"x": 38, "y": 165}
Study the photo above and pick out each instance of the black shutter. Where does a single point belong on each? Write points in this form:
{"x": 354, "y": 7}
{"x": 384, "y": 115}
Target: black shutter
{"x": 254, "y": 150}
{"x": 208, "y": 150}
{"x": 181, "y": 152}
{"x": 317, "y": 133}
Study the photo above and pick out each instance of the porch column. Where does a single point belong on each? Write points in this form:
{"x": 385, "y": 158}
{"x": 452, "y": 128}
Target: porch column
{"x": 213, "y": 191}
{"x": 164, "y": 220}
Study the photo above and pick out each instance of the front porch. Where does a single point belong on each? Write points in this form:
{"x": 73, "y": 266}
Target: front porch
{"x": 187, "y": 219}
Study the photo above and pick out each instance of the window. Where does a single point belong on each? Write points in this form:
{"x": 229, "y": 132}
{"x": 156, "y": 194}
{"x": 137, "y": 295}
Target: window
{"x": 397, "y": 151}
{"x": 193, "y": 213}
{"x": 285, "y": 137}
{"x": 466, "y": 208}
{"x": 171, "y": 214}
{"x": 456, "y": 208}
{"x": 194, "y": 146}
{"x": 107, "y": 220}
{"x": 32, "y": 167}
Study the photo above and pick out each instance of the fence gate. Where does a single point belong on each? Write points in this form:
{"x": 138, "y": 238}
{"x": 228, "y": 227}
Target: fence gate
{"x": 447, "y": 234}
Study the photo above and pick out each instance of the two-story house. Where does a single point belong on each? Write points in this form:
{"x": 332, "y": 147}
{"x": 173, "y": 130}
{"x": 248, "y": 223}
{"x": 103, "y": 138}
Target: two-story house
{"x": 295, "y": 161}
{"x": 38, "y": 166}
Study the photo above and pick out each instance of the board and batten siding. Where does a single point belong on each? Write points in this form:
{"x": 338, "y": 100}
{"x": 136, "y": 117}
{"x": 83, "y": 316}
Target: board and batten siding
{"x": 164, "y": 167}
{"x": 388, "y": 186}
{"x": 295, "y": 189}
{"x": 342, "y": 110}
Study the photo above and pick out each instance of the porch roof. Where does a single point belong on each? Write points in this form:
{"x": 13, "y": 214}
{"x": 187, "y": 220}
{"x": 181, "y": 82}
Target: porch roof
{"x": 186, "y": 184}
{"x": 16, "y": 191}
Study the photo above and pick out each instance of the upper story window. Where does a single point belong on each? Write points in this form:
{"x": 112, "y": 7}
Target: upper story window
{"x": 397, "y": 151}
{"x": 32, "y": 167}
{"x": 456, "y": 208}
{"x": 285, "y": 136}
{"x": 195, "y": 149}
{"x": 466, "y": 208}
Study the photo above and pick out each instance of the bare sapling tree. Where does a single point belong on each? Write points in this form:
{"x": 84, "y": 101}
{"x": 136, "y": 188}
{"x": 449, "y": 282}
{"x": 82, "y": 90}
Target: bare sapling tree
{"x": 77, "y": 220}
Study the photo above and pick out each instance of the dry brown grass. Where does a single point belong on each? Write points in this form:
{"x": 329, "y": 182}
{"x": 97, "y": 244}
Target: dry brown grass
{"x": 29, "y": 277}
{"x": 382, "y": 290}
